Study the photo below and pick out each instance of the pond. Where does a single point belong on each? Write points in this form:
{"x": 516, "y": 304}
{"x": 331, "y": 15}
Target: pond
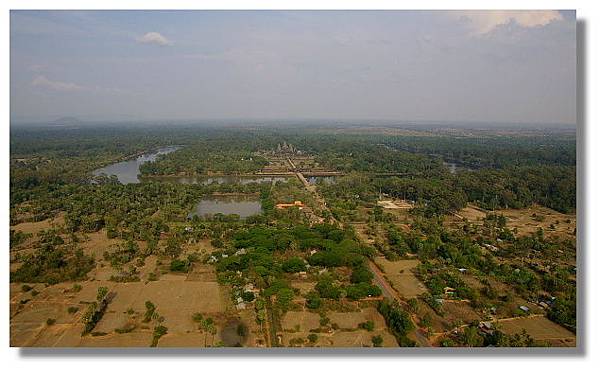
{"x": 321, "y": 179}
{"x": 224, "y": 179}
{"x": 242, "y": 205}
{"x": 234, "y": 333}
{"x": 127, "y": 172}
{"x": 454, "y": 167}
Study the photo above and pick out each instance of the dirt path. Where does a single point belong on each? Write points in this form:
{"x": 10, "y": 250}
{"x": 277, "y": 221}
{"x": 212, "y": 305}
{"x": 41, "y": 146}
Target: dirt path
{"x": 387, "y": 290}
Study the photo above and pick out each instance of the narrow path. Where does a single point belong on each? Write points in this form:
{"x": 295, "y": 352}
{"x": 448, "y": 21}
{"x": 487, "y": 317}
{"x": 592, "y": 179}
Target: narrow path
{"x": 267, "y": 329}
{"x": 387, "y": 290}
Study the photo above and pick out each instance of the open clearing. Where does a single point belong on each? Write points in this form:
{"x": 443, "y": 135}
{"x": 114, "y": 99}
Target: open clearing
{"x": 342, "y": 329}
{"x": 540, "y": 328}
{"x": 526, "y": 221}
{"x": 400, "y": 276}
{"x": 176, "y": 302}
{"x": 395, "y": 204}
{"x": 35, "y": 227}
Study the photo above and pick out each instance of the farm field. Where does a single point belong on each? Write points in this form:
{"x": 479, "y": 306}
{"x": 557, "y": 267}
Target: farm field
{"x": 339, "y": 329}
{"x": 402, "y": 279}
{"x": 525, "y": 221}
{"x": 540, "y": 328}
{"x": 363, "y": 259}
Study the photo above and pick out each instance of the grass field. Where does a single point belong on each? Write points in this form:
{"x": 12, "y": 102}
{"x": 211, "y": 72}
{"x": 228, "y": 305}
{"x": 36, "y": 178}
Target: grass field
{"x": 400, "y": 276}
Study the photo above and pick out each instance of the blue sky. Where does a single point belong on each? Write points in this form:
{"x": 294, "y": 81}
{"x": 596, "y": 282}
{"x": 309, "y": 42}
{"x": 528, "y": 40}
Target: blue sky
{"x": 398, "y": 65}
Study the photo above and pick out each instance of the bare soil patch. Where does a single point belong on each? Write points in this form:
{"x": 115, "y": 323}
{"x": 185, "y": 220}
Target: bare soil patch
{"x": 35, "y": 227}
{"x": 400, "y": 276}
{"x": 300, "y": 321}
{"x": 526, "y": 221}
{"x": 540, "y": 328}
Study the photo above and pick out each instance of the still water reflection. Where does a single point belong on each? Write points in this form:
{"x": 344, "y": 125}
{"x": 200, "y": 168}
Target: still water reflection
{"x": 127, "y": 172}
{"x": 244, "y": 206}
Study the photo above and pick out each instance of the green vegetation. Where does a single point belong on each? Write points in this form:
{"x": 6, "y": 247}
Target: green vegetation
{"x": 377, "y": 341}
{"x": 479, "y": 263}
{"x": 397, "y": 320}
{"x": 95, "y": 310}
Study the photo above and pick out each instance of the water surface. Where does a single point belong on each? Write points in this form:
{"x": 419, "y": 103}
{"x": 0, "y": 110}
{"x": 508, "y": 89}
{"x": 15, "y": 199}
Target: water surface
{"x": 127, "y": 172}
{"x": 319, "y": 179}
{"x": 224, "y": 179}
{"x": 244, "y": 206}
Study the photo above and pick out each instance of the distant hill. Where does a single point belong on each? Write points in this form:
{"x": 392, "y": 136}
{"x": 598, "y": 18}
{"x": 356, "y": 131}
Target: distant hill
{"x": 67, "y": 120}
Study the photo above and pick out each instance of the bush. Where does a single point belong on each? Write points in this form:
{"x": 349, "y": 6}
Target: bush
{"x": 327, "y": 289}
{"x": 125, "y": 329}
{"x": 158, "y": 332}
{"x": 369, "y": 325}
{"x": 361, "y": 274}
{"x": 50, "y": 321}
{"x": 242, "y": 330}
{"x": 293, "y": 265}
{"x": 54, "y": 264}
{"x": 313, "y": 301}
{"x": 180, "y": 266}
{"x": 248, "y": 296}
{"x": 150, "y": 310}
{"x": 396, "y": 318}
{"x": 362, "y": 290}
{"x": 377, "y": 341}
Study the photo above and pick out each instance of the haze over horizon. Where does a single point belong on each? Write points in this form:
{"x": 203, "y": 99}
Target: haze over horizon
{"x": 461, "y": 66}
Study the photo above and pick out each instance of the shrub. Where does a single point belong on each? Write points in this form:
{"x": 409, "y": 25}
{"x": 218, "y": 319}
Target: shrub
{"x": 26, "y": 288}
{"x": 377, "y": 341}
{"x": 293, "y": 265}
{"x": 180, "y": 266}
{"x": 248, "y": 296}
{"x": 361, "y": 274}
{"x": 369, "y": 325}
{"x": 313, "y": 301}
{"x": 158, "y": 332}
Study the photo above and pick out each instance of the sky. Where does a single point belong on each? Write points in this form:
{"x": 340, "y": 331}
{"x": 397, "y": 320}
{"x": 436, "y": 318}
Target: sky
{"x": 481, "y": 66}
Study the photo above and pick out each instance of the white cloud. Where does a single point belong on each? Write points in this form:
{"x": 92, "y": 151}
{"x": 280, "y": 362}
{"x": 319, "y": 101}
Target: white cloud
{"x": 154, "y": 38}
{"x": 44, "y": 82}
{"x": 38, "y": 68}
{"x": 484, "y": 21}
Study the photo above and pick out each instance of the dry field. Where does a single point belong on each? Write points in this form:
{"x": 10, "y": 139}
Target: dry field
{"x": 362, "y": 232}
{"x": 395, "y": 204}
{"x": 303, "y": 286}
{"x": 177, "y": 296}
{"x": 176, "y": 302}
{"x": 297, "y": 325}
{"x": 35, "y": 227}
{"x": 540, "y": 328}
{"x": 459, "y": 311}
{"x": 400, "y": 276}
{"x": 300, "y": 321}
{"x": 526, "y": 221}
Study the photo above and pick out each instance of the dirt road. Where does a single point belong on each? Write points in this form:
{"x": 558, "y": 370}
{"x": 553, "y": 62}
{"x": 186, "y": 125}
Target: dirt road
{"x": 379, "y": 279}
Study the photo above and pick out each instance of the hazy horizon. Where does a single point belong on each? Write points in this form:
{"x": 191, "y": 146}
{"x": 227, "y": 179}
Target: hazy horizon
{"x": 376, "y": 66}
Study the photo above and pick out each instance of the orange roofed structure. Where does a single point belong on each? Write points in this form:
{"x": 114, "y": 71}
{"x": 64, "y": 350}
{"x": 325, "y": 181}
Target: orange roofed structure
{"x": 298, "y": 204}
